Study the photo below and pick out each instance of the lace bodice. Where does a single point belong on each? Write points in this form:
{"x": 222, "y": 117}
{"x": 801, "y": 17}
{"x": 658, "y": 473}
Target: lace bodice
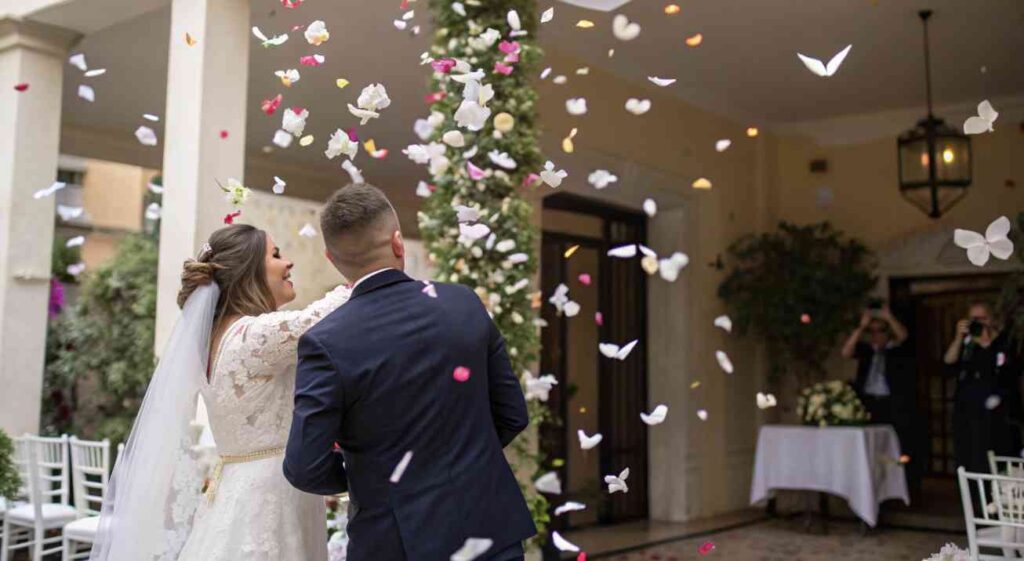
{"x": 249, "y": 396}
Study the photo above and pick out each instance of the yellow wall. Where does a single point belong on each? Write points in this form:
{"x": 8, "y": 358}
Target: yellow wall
{"x": 864, "y": 180}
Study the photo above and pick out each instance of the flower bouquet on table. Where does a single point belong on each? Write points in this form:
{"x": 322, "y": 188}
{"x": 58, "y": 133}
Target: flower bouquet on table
{"x": 949, "y": 552}
{"x": 832, "y": 403}
{"x": 337, "y": 519}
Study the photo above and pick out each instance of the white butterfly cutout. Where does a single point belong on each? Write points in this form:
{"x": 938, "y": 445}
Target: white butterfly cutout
{"x": 474, "y": 232}
{"x": 560, "y": 299}
{"x": 549, "y": 484}
{"x": 661, "y": 82}
{"x": 396, "y": 475}
{"x": 821, "y": 69}
{"x": 599, "y": 5}
{"x": 589, "y": 442}
{"x": 308, "y": 231}
{"x": 766, "y": 401}
{"x": 637, "y": 106}
{"x": 629, "y": 251}
{"x": 269, "y": 42}
{"x": 576, "y": 106}
{"x": 563, "y": 544}
{"x": 602, "y": 178}
{"x": 656, "y": 417}
{"x": 617, "y": 483}
{"x": 56, "y": 186}
{"x": 472, "y": 548}
{"x": 724, "y": 362}
{"x": 669, "y": 268}
{"x": 651, "y": 207}
{"x": 725, "y": 322}
{"x": 76, "y": 241}
{"x": 995, "y": 242}
{"x": 625, "y": 30}
{"x": 702, "y": 414}
{"x": 723, "y": 145}
{"x": 569, "y": 507}
{"x": 279, "y": 185}
{"x": 983, "y": 122}
{"x": 69, "y": 212}
{"x": 548, "y": 15}
{"x": 612, "y": 350}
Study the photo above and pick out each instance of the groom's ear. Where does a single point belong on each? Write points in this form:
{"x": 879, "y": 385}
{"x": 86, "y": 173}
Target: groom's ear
{"x": 397, "y": 244}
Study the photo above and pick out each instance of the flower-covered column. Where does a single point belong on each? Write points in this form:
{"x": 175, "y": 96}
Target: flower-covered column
{"x": 481, "y": 149}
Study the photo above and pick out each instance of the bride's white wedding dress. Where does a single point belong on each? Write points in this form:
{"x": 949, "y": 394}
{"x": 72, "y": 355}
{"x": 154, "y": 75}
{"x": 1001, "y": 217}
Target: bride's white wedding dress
{"x": 251, "y": 512}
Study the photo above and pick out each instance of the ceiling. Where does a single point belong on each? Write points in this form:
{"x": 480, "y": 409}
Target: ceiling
{"x": 746, "y": 67}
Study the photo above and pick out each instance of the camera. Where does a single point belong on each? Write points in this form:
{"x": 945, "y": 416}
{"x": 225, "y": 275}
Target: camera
{"x": 975, "y": 328}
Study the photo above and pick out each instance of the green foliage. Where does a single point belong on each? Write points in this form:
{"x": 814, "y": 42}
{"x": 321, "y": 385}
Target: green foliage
{"x": 9, "y": 479}
{"x": 106, "y": 341}
{"x": 502, "y": 207}
{"x": 1011, "y": 301}
{"x": 778, "y": 277}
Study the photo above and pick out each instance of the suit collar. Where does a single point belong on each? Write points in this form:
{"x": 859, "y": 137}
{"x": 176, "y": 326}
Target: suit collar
{"x": 380, "y": 280}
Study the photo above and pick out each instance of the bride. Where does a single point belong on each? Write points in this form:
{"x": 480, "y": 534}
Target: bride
{"x": 232, "y": 346}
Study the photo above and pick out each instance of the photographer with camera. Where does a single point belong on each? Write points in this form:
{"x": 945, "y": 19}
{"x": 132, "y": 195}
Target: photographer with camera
{"x": 987, "y": 390}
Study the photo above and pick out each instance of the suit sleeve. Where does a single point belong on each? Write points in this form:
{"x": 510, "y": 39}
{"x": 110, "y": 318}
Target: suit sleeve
{"x": 508, "y": 404}
{"x": 311, "y": 463}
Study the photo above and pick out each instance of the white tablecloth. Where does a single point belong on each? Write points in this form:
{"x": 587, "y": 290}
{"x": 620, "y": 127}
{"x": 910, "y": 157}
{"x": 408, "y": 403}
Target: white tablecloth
{"x": 860, "y": 464}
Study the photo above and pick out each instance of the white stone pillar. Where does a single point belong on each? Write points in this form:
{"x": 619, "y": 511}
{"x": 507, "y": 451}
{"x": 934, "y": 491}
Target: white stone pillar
{"x": 32, "y": 54}
{"x": 206, "y": 94}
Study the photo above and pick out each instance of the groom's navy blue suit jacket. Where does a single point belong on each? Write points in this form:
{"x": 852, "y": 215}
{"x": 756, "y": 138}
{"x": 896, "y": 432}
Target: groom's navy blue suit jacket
{"x": 376, "y": 377}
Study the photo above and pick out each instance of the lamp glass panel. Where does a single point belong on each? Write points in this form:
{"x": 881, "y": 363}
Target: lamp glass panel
{"x": 914, "y": 161}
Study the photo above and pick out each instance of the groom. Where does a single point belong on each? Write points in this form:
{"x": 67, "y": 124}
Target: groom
{"x": 384, "y": 378}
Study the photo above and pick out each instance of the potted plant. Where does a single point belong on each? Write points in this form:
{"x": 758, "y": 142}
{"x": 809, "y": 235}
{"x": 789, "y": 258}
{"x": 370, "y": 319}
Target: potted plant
{"x": 799, "y": 288}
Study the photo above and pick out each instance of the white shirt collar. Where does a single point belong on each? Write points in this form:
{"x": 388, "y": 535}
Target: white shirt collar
{"x": 377, "y": 272}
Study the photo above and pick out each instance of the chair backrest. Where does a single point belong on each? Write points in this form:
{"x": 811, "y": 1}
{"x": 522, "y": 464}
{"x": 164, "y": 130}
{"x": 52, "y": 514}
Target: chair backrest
{"x": 48, "y": 469}
{"x": 90, "y": 469}
{"x": 1005, "y": 465}
{"x": 1001, "y": 501}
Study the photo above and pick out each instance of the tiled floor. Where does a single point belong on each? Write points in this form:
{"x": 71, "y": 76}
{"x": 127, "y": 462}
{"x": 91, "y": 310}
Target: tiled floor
{"x": 767, "y": 540}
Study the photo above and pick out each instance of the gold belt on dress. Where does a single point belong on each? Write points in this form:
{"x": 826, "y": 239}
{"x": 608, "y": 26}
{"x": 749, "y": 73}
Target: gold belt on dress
{"x": 211, "y": 488}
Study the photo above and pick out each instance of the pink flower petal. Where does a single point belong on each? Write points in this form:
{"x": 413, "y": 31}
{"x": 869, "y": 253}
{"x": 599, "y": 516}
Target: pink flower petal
{"x": 805, "y": 319}
{"x": 599, "y": 318}
{"x": 509, "y": 47}
{"x": 309, "y": 60}
{"x": 270, "y": 105}
{"x": 434, "y": 97}
{"x": 291, "y": 3}
{"x": 585, "y": 279}
{"x": 230, "y": 219}
{"x": 531, "y": 179}
{"x": 514, "y": 57}
{"x": 223, "y": 134}
{"x": 444, "y": 66}
{"x": 21, "y": 87}
{"x": 475, "y": 173}
{"x": 353, "y": 134}
{"x": 706, "y": 548}
{"x": 461, "y": 374}
{"x": 501, "y": 68}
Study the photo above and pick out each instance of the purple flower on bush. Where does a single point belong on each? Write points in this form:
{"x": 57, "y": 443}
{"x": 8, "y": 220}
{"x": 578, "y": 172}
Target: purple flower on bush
{"x": 56, "y": 298}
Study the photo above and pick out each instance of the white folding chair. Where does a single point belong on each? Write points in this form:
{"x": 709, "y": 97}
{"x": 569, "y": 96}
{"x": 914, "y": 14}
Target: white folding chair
{"x": 1005, "y": 465}
{"x": 26, "y": 526}
{"x": 90, "y": 469}
{"x": 1000, "y": 524}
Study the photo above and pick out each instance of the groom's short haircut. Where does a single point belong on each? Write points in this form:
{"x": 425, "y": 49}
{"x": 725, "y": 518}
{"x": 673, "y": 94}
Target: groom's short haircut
{"x": 357, "y": 223}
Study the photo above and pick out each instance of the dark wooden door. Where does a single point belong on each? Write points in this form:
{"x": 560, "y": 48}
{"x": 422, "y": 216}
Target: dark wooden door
{"x": 596, "y": 394}
{"x": 931, "y": 307}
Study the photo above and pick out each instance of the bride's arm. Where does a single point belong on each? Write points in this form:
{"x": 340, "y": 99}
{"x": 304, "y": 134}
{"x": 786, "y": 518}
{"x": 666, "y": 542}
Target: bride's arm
{"x": 276, "y": 335}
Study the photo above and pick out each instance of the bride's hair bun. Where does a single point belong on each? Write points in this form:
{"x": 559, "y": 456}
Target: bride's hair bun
{"x": 195, "y": 274}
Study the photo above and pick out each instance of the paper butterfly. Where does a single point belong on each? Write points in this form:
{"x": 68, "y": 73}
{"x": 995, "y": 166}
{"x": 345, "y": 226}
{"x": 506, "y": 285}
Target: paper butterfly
{"x": 656, "y": 417}
{"x": 617, "y": 483}
{"x": 983, "y": 122}
{"x": 588, "y": 442}
{"x": 819, "y": 68}
{"x": 611, "y": 350}
{"x": 995, "y": 242}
